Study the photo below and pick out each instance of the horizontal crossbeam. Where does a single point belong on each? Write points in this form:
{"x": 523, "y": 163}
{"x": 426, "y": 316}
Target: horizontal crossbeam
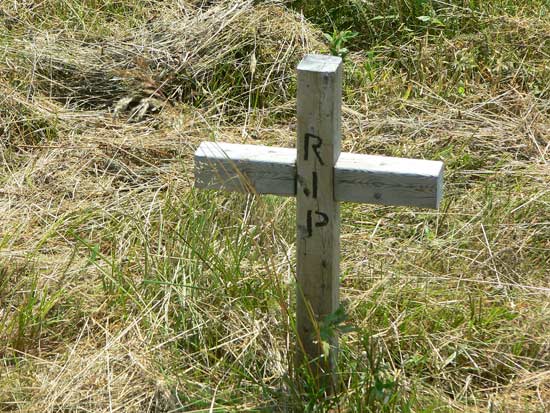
{"x": 358, "y": 178}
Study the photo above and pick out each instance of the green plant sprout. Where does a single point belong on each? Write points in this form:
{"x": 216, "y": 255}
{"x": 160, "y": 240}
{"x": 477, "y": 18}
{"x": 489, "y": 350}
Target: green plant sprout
{"x": 338, "y": 40}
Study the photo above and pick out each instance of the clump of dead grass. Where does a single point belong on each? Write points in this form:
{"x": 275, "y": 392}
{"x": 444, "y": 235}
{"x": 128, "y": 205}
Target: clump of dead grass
{"x": 25, "y": 123}
{"x": 229, "y": 57}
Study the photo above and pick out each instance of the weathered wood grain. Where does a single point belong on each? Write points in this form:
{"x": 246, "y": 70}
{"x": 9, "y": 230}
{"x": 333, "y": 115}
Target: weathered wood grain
{"x": 246, "y": 168}
{"x": 389, "y": 181}
{"x": 358, "y": 178}
{"x": 319, "y": 98}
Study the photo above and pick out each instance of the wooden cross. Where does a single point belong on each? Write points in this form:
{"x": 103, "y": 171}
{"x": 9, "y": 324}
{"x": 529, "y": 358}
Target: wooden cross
{"x": 320, "y": 177}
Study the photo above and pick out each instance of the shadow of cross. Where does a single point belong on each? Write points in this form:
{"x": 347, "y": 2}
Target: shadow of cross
{"x": 320, "y": 177}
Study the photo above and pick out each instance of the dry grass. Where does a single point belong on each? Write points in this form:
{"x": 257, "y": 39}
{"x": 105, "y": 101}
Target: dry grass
{"x": 123, "y": 289}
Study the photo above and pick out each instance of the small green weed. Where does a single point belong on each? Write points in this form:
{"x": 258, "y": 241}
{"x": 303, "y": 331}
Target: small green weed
{"x": 338, "y": 40}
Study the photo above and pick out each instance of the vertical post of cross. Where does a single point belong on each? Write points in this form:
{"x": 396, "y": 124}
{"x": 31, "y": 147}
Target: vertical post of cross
{"x": 319, "y": 97}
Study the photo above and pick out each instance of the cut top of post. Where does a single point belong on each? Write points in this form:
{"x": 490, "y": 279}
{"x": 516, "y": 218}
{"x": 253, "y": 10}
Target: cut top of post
{"x": 318, "y": 107}
{"x": 319, "y": 63}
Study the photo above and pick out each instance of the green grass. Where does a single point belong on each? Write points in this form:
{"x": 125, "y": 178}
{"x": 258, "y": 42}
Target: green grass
{"x": 122, "y": 287}
{"x": 451, "y": 49}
